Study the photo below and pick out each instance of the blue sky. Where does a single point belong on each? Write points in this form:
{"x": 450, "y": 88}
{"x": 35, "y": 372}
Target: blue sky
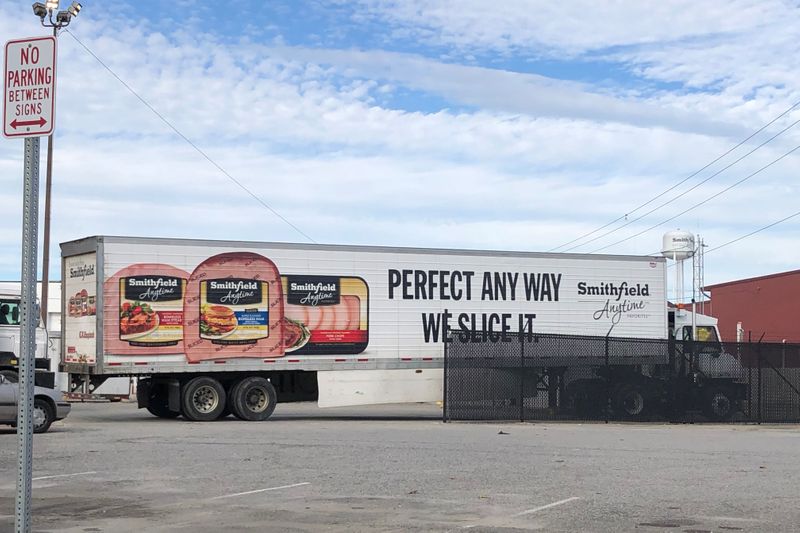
{"x": 516, "y": 125}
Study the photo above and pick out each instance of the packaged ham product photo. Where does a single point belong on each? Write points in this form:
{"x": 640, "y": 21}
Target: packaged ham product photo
{"x": 234, "y": 308}
{"x": 144, "y": 310}
{"x": 326, "y": 314}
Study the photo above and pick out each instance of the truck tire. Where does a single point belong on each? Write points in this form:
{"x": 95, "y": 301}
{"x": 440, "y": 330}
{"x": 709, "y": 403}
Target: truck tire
{"x": 43, "y": 415}
{"x": 157, "y": 400}
{"x": 158, "y": 406}
{"x": 202, "y": 399}
{"x": 253, "y": 399}
{"x": 630, "y": 402}
{"x": 586, "y": 398}
{"x": 161, "y": 410}
{"x": 718, "y": 403}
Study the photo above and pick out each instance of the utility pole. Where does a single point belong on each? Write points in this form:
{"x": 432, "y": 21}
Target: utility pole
{"x": 62, "y": 20}
{"x": 48, "y": 183}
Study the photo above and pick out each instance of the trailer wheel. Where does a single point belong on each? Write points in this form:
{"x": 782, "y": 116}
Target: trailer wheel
{"x": 158, "y": 405}
{"x": 253, "y": 399}
{"x": 202, "y": 399}
{"x": 718, "y": 403}
{"x": 630, "y": 401}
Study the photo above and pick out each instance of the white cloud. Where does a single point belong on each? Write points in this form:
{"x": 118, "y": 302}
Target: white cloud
{"x": 532, "y": 163}
{"x": 560, "y": 29}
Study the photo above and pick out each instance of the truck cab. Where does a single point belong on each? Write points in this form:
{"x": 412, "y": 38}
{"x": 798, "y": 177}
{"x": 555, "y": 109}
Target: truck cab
{"x": 10, "y": 329}
{"x": 711, "y": 360}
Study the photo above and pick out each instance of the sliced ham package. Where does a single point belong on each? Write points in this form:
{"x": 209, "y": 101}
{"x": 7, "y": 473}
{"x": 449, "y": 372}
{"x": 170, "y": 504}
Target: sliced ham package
{"x": 326, "y": 315}
{"x": 143, "y": 311}
{"x": 233, "y": 307}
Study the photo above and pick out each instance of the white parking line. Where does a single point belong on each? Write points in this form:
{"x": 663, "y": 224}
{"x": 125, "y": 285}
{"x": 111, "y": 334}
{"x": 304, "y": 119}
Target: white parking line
{"x": 729, "y": 518}
{"x": 548, "y": 506}
{"x": 260, "y": 490}
{"x": 523, "y": 513}
{"x": 63, "y": 475}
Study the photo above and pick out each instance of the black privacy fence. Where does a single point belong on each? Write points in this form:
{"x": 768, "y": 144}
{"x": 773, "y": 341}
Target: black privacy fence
{"x": 572, "y": 377}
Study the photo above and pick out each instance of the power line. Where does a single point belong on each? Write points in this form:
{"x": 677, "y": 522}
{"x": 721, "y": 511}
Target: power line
{"x": 723, "y": 191}
{"x": 690, "y": 189}
{"x": 759, "y": 230}
{"x": 189, "y": 142}
{"x": 690, "y": 176}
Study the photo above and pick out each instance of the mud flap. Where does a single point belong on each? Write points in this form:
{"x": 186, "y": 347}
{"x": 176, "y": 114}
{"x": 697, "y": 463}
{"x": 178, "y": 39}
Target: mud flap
{"x": 174, "y": 391}
{"x": 142, "y": 393}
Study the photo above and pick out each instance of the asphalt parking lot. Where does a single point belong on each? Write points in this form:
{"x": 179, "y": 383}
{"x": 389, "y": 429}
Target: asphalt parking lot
{"x": 113, "y": 468}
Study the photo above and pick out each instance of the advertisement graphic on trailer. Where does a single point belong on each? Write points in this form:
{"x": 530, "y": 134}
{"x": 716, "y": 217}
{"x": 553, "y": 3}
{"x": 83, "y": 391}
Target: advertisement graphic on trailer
{"x": 80, "y": 287}
{"x": 242, "y": 305}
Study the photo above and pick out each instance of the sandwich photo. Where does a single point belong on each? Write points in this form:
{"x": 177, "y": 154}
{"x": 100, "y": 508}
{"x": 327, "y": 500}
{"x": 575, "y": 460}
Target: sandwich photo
{"x": 217, "y": 320}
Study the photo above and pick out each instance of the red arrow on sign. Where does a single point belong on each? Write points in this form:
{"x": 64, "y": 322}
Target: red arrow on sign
{"x": 38, "y": 122}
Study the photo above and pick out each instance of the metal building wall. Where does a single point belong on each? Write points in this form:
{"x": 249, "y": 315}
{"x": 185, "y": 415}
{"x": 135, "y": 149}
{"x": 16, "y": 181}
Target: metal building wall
{"x": 768, "y": 305}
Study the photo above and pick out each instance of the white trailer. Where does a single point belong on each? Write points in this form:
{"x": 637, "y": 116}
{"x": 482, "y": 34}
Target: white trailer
{"x": 212, "y": 327}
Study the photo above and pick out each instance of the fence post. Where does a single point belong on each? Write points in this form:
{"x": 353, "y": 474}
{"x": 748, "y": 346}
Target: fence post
{"x": 758, "y": 351}
{"x": 750, "y": 383}
{"x": 606, "y": 408}
{"x": 522, "y": 375}
{"x": 783, "y": 354}
{"x": 750, "y": 375}
{"x": 444, "y": 375}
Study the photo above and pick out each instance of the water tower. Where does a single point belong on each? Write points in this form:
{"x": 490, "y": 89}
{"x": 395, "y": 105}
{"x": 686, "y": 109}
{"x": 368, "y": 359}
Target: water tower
{"x": 679, "y": 246}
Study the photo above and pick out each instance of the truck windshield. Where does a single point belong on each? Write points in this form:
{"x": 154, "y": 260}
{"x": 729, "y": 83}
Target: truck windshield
{"x": 9, "y": 312}
{"x": 707, "y": 335}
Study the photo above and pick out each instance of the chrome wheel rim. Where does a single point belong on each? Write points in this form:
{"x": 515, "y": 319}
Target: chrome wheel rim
{"x": 205, "y": 399}
{"x": 256, "y": 399}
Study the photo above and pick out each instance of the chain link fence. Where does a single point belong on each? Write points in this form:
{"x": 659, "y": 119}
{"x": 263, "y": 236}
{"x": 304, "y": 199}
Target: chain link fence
{"x": 572, "y": 377}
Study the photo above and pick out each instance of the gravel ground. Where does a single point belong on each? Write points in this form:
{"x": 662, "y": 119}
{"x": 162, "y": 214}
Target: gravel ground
{"x": 398, "y": 468}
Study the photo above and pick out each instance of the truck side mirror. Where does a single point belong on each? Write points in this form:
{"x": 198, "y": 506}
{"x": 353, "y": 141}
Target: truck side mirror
{"x": 15, "y": 314}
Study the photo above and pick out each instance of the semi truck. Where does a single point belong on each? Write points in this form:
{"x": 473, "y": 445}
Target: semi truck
{"x": 211, "y": 328}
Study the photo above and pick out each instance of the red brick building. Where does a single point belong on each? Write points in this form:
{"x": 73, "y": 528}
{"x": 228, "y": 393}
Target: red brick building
{"x": 768, "y": 305}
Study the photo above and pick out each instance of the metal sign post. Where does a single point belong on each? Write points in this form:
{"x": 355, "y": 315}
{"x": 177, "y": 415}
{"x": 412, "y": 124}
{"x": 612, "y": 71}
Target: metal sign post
{"x": 30, "y": 318}
{"x": 29, "y": 112}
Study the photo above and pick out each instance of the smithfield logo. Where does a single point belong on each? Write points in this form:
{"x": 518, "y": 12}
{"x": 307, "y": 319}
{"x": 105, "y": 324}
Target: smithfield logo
{"x": 312, "y": 290}
{"x": 613, "y": 289}
{"x": 233, "y": 291}
{"x": 622, "y": 300}
{"x": 153, "y": 288}
{"x": 233, "y": 285}
{"x": 81, "y": 271}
